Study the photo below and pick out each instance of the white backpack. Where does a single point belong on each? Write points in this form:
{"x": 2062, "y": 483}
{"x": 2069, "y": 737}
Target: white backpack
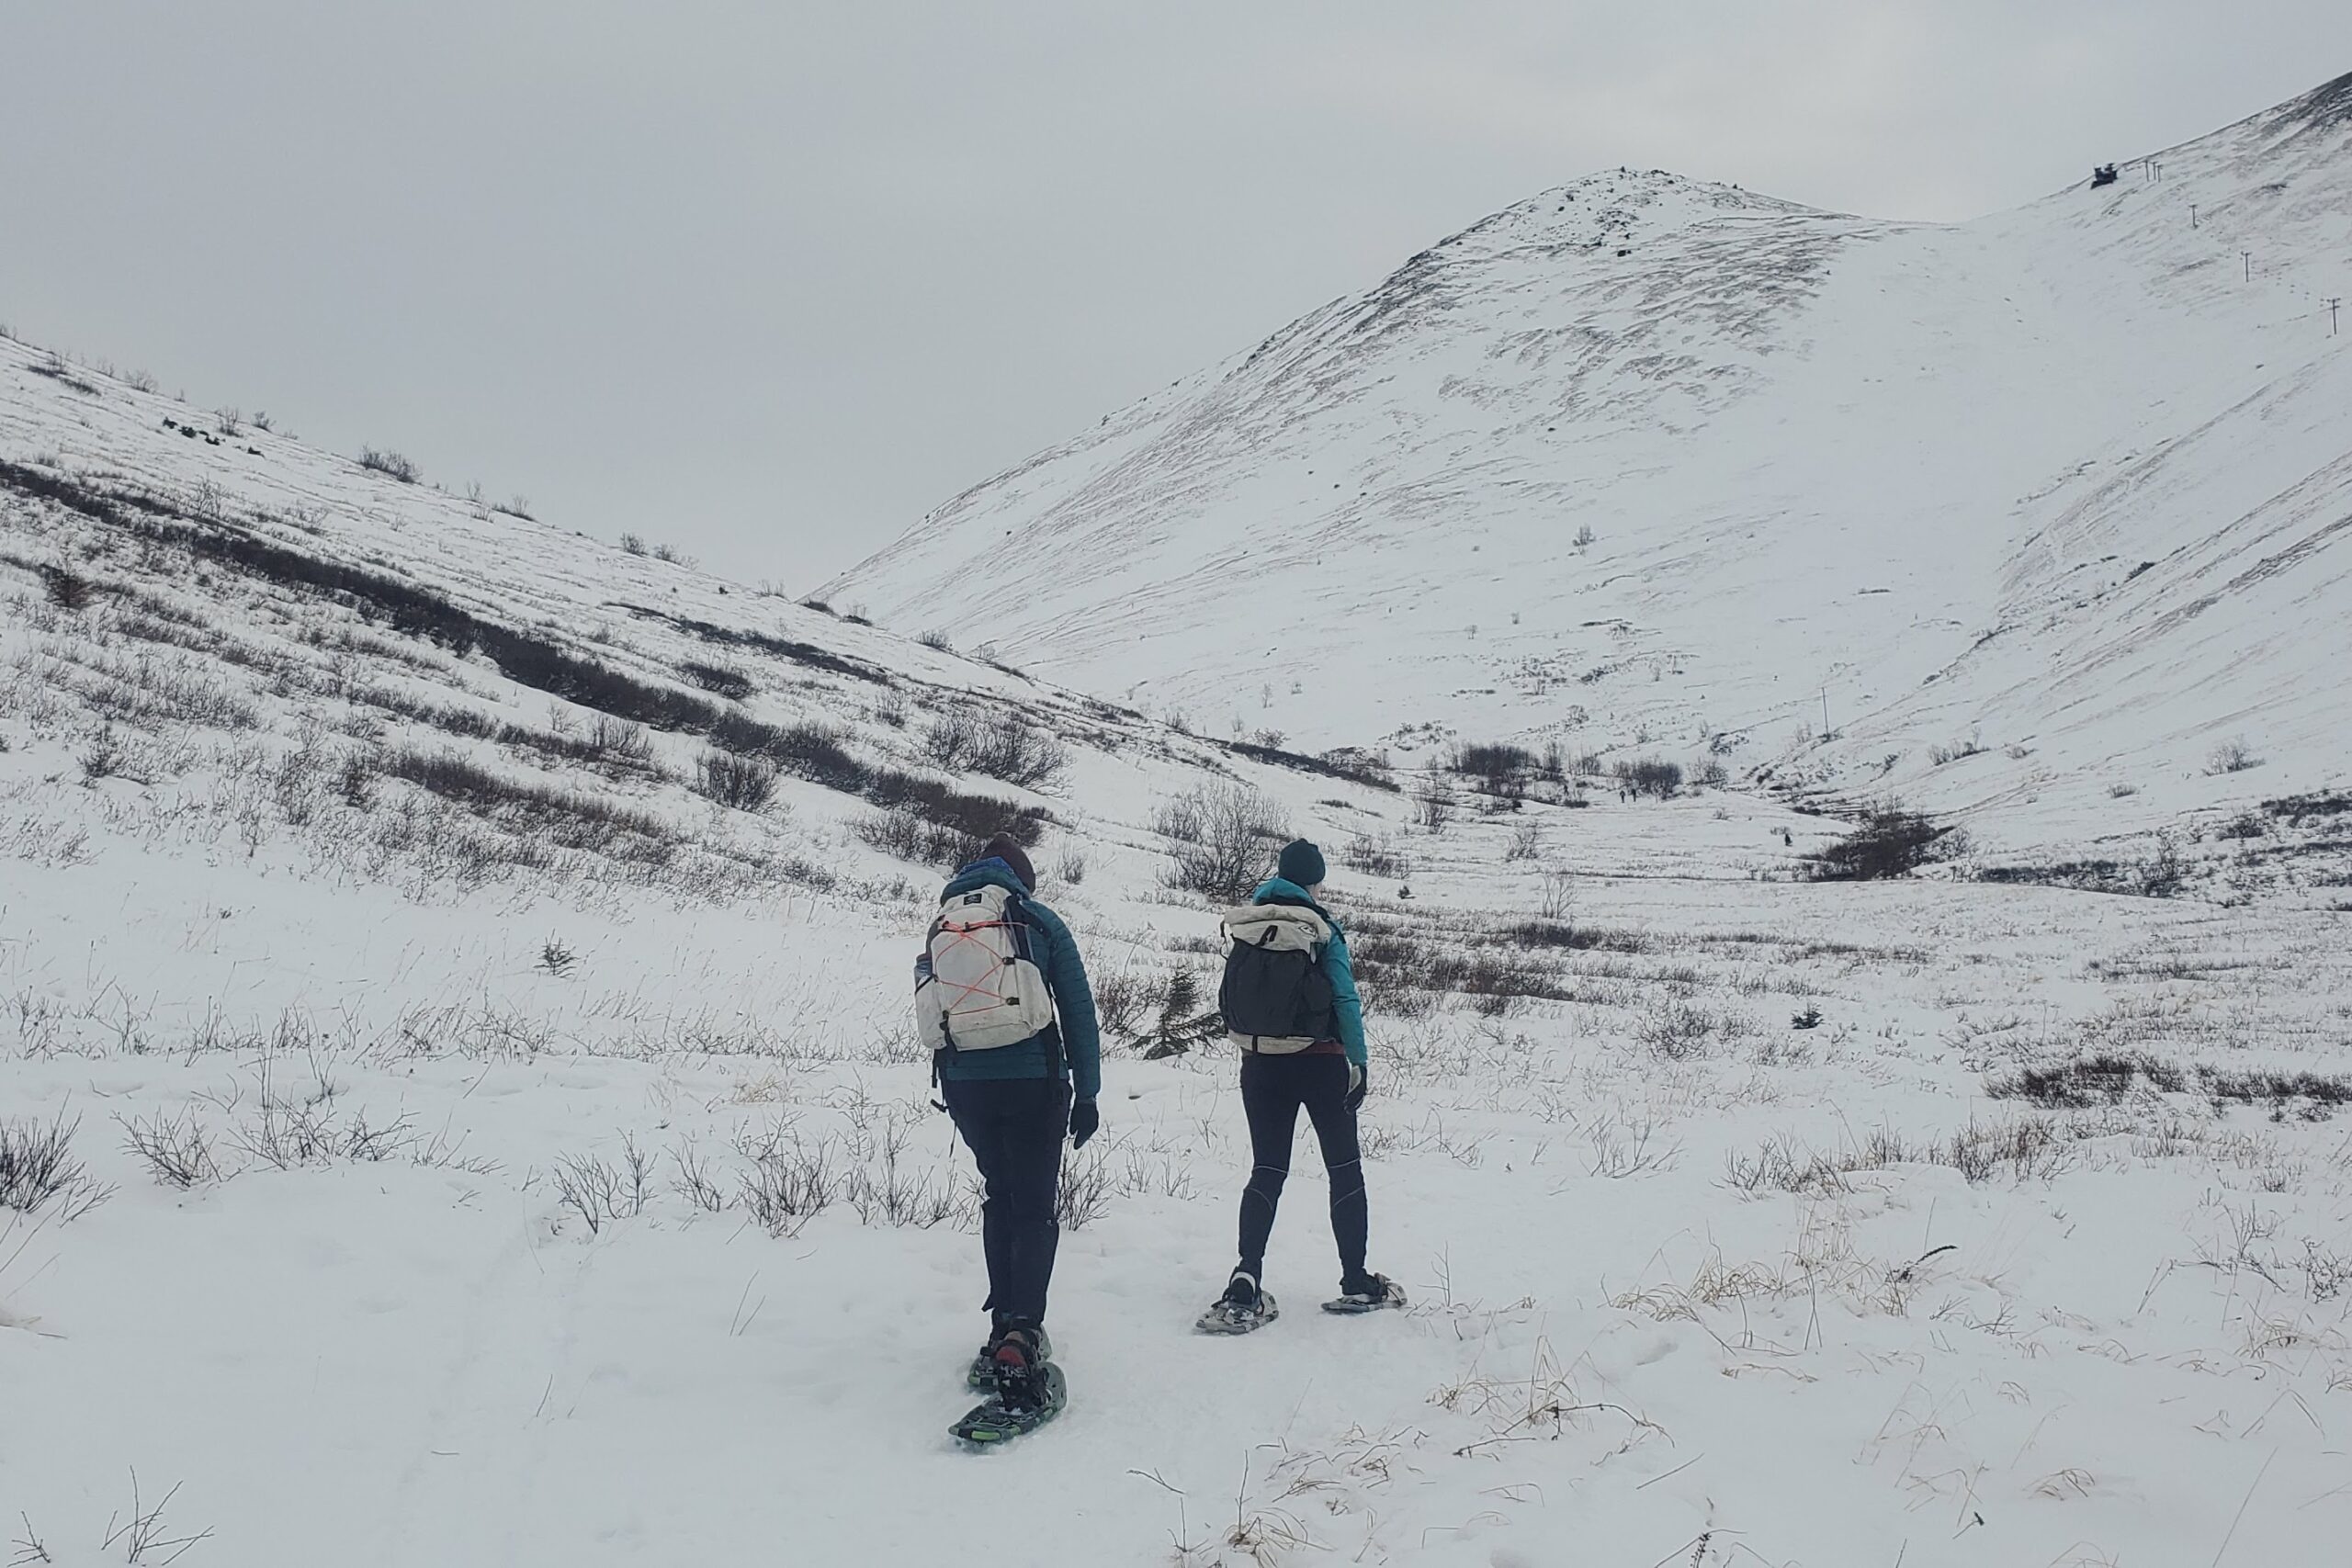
{"x": 976, "y": 988}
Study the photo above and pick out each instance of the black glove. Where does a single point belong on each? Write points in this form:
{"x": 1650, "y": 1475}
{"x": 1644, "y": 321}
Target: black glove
{"x": 1083, "y": 1120}
{"x": 1359, "y": 1080}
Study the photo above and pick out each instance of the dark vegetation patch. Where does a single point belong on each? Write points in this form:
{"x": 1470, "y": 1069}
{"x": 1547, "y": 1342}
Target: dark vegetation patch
{"x": 66, "y": 590}
{"x": 805, "y": 750}
{"x": 2162, "y": 875}
{"x": 743, "y": 784}
{"x": 389, "y": 464}
{"x": 978, "y": 817}
{"x": 1390, "y": 964}
{"x": 805, "y": 653}
{"x": 967, "y": 740}
{"x": 1574, "y": 938}
{"x": 1649, "y": 775}
{"x": 2298, "y": 809}
{"x": 564, "y": 818}
{"x": 2107, "y": 1076}
{"x": 1889, "y": 842}
{"x": 902, "y": 834}
{"x": 720, "y": 680}
{"x": 1355, "y": 769}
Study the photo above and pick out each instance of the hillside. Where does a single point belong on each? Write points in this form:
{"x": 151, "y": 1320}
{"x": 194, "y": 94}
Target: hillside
{"x": 1650, "y": 466}
{"x": 457, "y": 1102}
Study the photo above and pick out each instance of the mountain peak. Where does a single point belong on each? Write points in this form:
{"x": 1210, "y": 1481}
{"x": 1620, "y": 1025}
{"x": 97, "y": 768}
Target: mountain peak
{"x": 1619, "y": 207}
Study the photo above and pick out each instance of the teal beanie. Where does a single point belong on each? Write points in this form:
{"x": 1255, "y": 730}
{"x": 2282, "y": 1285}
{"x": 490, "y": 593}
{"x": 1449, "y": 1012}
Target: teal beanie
{"x": 1302, "y": 863}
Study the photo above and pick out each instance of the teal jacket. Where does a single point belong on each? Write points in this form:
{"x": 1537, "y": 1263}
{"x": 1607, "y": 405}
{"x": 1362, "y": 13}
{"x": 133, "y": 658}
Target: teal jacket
{"x": 1338, "y": 967}
{"x": 1072, "y": 1047}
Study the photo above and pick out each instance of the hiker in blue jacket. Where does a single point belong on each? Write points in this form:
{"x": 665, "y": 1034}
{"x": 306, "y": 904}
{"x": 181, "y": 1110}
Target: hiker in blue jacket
{"x": 1290, "y": 1003}
{"x": 1012, "y": 1105}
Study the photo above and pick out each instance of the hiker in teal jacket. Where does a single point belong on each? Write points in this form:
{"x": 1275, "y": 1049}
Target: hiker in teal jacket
{"x": 1303, "y": 1049}
{"x": 1012, "y": 1105}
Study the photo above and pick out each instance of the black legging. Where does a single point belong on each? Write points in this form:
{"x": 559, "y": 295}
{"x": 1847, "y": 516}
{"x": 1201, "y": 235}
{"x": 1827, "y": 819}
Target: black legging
{"x": 1273, "y": 1088}
{"x": 1015, "y": 1127}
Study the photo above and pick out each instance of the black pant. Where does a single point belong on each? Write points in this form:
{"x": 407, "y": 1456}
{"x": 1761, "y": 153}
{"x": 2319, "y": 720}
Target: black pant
{"x": 1014, "y": 1128}
{"x": 1273, "y": 1089}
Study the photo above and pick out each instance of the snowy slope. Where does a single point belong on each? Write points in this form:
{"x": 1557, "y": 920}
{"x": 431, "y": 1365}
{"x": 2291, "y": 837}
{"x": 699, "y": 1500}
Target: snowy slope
{"x": 1913, "y": 467}
{"x": 484, "y": 1146}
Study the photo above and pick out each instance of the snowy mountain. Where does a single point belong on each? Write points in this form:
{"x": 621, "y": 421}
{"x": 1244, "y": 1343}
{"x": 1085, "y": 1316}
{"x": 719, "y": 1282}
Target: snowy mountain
{"x": 1652, "y": 466}
{"x": 457, "y": 1101}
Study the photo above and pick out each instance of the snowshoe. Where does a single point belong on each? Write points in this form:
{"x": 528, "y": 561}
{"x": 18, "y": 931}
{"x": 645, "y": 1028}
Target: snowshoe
{"x": 1241, "y": 1310}
{"x": 981, "y": 1374}
{"x": 1374, "y": 1292}
{"x": 1027, "y": 1397}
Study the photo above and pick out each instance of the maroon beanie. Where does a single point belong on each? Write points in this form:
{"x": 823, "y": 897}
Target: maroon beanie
{"x": 1004, "y": 849}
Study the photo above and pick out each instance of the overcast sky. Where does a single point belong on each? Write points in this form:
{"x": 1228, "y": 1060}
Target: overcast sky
{"x": 767, "y": 280}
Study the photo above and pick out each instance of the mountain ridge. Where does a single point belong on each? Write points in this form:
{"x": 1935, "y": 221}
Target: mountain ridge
{"x": 1738, "y": 449}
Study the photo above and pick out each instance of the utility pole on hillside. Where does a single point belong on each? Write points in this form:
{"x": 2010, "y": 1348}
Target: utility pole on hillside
{"x": 1824, "y": 713}
{"x": 2248, "y": 257}
{"x": 2332, "y": 304}
{"x": 2192, "y": 215}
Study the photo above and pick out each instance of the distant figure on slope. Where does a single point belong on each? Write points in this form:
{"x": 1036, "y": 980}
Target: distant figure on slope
{"x": 1289, "y": 1003}
{"x": 1002, "y": 996}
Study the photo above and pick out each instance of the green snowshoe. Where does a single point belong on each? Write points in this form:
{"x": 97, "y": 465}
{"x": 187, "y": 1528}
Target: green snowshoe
{"x": 1022, "y": 1403}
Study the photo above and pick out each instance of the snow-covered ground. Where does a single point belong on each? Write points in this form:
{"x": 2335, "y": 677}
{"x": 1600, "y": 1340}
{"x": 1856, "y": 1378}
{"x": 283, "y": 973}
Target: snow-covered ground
{"x": 493, "y": 1134}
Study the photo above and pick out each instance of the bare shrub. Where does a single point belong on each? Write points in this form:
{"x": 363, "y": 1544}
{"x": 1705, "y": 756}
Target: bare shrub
{"x": 176, "y": 1148}
{"x": 1889, "y": 842}
{"x": 1557, "y": 897}
{"x": 790, "y": 1180}
{"x": 1676, "y": 1032}
{"x": 903, "y": 834}
{"x": 1375, "y": 857}
{"x": 675, "y": 557}
{"x": 1433, "y": 803}
{"x": 1526, "y": 841}
{"x": 66, "y": 590}
{"x": 618, "y": 740}
{"x": 601, "y": 1193}
{"x": 695, "y": 1183}
{"x": 936, "y": 641}
{"x": 143, "y": 1536}
{"x": 723, "y": 679}
{"x": 1120, "y": 997}
{"x": 2232, "y": 756}
{"x": 1070, "y": 864}
{"x": 741, "y": 784}
{"x": 1084, "y": 1195}
{"x": 389, "y": 464}
{"x": 634, "y": 544}
{"x": 1649, "y": 775}
{"x": 1218, "y": 836}
{"x": 287, "y": 1136}
{"x": 965, "y": 740}
{"x": 103, "y": 757}
{"x": 38, "y": 1167}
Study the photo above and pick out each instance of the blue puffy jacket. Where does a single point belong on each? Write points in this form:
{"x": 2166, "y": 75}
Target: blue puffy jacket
{"x": 1069, "y": 1048}
{"x": 1338, "y": 967}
